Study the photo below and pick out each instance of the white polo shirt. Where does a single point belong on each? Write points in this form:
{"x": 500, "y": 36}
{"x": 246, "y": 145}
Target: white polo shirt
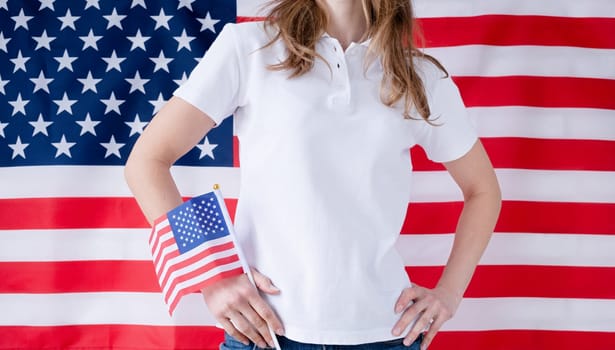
{"x": 325, "y": 176}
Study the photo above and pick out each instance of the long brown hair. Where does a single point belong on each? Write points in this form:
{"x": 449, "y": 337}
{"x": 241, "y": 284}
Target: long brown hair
{"x": 390, "y": 25}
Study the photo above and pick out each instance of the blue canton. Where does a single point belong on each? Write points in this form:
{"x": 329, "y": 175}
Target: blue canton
{"x": 197, "y": 221}
{"x": 80, "y": 80}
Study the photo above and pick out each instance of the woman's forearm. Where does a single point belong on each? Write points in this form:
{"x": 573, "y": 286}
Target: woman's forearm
{"x": 474, "y": 229}
{"x": 153, "y": 187}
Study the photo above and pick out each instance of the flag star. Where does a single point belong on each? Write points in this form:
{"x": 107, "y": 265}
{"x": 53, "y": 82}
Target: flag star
{"x": 63, "y": 147}
{"x": 3, "y": 4}
{"x": 65, "y": 105}
{"x": 47, "y": 4}
{"x": 43, "y": 41}
{"x": 183, "y": 41}
{"x": 2, "y": 85}
{"x": 112, "y": 147}
{"x": 68, "y": 20}
{"x": 137, "y": 126}
{"x": 92, "y": 3}
{"x": 2, "y": 126}
{"x": 19, "y": 105}
{"x": 138, "y": 40}
{"x": 3, "y": 42}
{"x": 113, "y": 62}
{"x": 41, "y": 83}
{"x": 87, "y": 125}
{"x": 19, "y": 148}
{"x": 157, "y": 103}
{"x": 162, "y": 20}
{"x": 185, "y": 3}
{"x": 65, "y": 61}
{"x": 114, "y": 19}
{"x": 207, "y": 149}
{"x": 21, "y": 20}
{"x": 137, "y": 83}
{"x": 89, "y": 83}
{"x": 182, "y": 80}
{"x": 40, "y": 126}
{"x": 136, "y": 3}
{"x": 19, "y": 62}
{"x": 208, "y": 23}
{"x": 112, "y": 104}
{"x": 161, "y": 62}
{"x": 90, "y": 40}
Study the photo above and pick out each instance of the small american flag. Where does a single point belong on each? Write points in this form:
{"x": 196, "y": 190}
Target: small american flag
{"x": 193, "y": 246}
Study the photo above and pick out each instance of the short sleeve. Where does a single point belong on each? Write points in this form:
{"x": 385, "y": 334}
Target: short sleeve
{"x": 451, "y": 135}
{"x": 214, "y": 85}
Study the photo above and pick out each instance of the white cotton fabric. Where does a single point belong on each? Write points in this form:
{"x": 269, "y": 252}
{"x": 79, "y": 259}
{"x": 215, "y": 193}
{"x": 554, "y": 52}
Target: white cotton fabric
{"x": 325, "y": 176}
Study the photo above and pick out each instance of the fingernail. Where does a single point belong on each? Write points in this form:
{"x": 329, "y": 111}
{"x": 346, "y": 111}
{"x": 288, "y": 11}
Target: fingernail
{"x": 396, "y": 331}
{"x": 423, "y": 347}
{"x": 279, "y": 331}
{"x": 407, "y": 342}
{"x": 398, "y": 309}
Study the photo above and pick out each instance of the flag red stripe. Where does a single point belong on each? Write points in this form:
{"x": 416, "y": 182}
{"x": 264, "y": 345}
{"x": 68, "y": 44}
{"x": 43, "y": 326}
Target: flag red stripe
{"x": 516, "y": 216}
{"x": 505, "y": 30}
{"x": 198, "y": 257}
{"x": 110, "y": 337}
{"x": 138, "y": 276}
{"x": 208, "y": 338}
{"x": 528, "y": 281}
{"x": 195, "y": 273}
{"x": 536, "y": 91}
{"x": 545, "y": 154}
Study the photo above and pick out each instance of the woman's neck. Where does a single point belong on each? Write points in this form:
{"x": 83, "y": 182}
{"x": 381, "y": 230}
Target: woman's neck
{"x": 346, "y": 20}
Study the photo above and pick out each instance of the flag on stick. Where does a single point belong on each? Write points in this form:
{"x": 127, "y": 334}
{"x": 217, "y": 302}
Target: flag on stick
{"x": 193, "y": 246}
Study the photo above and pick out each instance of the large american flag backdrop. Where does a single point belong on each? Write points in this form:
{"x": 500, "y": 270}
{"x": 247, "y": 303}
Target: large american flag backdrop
{"x": 79, "y": 80}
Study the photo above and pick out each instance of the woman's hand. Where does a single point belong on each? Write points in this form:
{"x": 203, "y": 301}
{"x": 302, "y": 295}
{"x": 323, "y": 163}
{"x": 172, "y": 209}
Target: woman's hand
{"x": 433, "y": 307}
{"x": 243, "y": 313}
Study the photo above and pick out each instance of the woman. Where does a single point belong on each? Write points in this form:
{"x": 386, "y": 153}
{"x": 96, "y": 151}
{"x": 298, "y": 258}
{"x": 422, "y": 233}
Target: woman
{"x": 328, "y": 96}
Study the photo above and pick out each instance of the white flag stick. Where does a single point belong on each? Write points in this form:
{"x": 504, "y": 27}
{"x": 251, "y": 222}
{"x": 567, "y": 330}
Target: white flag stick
{"x": 242, "y": 260}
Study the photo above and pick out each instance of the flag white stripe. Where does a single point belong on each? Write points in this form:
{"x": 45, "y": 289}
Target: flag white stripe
{"x": 515, "y": 249}
{"x": 523, "y": 185}
{"x": 544, "y": 123}
{"x": 456, "y": 8}
{"x": 200, "y": 278}
{"x": 547, "y": 61}
{"x": 148, "y": 309}
{"x": 106, "y": 181}
{"x": 416, "y": 250}
{"x": 429, "y": 186}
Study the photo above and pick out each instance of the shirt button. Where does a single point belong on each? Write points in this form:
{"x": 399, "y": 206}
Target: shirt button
{"x": 338, "y": 65}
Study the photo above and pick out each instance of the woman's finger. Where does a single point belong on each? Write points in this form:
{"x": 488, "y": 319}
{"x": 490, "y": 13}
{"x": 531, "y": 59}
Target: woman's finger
{"x": 406, "y": 297}
{"x": 434, "y": 328}
{"x": 244, "y": 323}
{"x": 233, "y": 332}
{"x": 264, "y": 283}
{"x": 425, "y": 321}
{"x": 409, "y": 315}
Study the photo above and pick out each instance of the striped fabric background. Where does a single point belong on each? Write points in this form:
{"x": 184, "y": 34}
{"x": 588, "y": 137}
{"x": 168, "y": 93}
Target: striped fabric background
{"x": 538, "y": 78}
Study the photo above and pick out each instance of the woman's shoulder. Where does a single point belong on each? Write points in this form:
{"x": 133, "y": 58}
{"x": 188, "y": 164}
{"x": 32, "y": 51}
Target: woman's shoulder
{"x": 251, "y": 34}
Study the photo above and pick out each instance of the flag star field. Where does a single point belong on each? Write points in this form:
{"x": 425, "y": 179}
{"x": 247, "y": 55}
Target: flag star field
{"x": 81, "y": 79}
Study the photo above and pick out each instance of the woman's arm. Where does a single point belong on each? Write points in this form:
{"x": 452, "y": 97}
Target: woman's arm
{"x": 172, "y": 132}
{"x": 177, "y": 128}
{"x": 476, "y": 178}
